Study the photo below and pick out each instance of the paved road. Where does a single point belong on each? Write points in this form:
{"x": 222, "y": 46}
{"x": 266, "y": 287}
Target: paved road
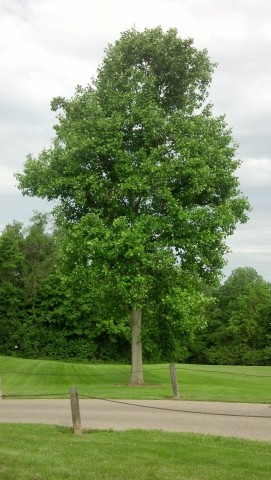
{"x": 253, "y": 422}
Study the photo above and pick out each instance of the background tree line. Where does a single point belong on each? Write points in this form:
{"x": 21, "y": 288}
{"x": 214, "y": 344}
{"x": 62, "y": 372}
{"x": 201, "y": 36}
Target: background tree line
{"x": 50, "y": 309}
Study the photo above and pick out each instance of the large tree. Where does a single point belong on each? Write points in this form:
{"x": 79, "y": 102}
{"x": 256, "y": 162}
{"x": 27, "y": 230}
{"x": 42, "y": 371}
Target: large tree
{"x": 144, "y": 174}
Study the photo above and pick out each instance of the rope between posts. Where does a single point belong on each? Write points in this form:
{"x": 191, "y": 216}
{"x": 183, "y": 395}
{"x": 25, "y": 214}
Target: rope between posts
{"x": 220, "y": 371}
{"x": 151, "y": 407}
{"x": 84, "y": 374}
{"x": 175, "y": 409}
{"x": 126, "y": 373}
{"x": 38, "y": 395}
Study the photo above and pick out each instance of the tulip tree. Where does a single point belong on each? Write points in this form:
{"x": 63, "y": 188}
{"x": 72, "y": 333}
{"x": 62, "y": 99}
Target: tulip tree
{"x": 144, "y": 173}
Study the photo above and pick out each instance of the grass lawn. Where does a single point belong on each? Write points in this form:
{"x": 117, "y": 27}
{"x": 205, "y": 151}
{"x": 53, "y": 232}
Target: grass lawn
{"x": 47, "y": 378}
{"x": 34, "y": 452}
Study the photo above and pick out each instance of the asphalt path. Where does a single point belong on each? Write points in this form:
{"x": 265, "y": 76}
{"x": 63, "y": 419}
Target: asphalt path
{"x": 243, "y": 420}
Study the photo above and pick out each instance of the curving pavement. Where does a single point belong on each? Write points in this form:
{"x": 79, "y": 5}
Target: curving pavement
{"x": 243, "y": 420}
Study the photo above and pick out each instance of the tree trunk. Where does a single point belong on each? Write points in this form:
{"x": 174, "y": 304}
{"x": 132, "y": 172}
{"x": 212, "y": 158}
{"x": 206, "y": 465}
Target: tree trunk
{"x": 137, "y": 364}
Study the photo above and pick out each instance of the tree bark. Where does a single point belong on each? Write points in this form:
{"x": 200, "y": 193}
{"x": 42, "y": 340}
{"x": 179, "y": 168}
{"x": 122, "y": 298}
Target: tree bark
{"x": 137, "y": 363}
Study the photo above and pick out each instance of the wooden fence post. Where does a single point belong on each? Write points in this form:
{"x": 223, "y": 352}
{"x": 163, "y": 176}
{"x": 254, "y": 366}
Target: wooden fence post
{"x": 174, "y": 382}
{"x": 1, "y": 387}
{"x": 76, "y": 419}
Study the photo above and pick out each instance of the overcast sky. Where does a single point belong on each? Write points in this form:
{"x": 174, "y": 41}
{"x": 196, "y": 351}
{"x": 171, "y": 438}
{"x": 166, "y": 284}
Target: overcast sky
{"x": 48, "y": 47}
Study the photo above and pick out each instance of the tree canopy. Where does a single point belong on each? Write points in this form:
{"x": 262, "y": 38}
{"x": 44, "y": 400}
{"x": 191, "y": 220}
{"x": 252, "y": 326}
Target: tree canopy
{"x": 144, "y": 174}
{"x": 239, "y": 327}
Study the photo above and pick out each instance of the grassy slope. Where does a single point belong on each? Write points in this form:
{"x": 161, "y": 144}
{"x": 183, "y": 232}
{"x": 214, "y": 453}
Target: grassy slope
{"x": 49, "y": 452}
{"x": 216, "y": 383}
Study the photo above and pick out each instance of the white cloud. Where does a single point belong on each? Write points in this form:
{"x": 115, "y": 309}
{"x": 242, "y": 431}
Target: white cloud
{"x": 7, "y": 180}
{"x": 256, "y": 172}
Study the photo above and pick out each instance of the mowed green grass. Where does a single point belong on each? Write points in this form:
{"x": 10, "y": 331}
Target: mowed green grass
{"x": 21, "y": 377}
{"x": 35, "y": 452}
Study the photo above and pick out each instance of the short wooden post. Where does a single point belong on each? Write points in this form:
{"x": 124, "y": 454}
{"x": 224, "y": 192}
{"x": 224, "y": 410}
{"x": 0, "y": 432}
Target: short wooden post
{"x": 76, "y": 419}
{"x": 174, "y": 381}
{"x": 1, "y": 388}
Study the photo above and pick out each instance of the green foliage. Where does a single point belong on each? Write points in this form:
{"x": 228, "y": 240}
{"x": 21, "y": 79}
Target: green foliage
{"x": 26, "y": 258}
{"x": 239, "y": 329}
{"x": 141, "y": 163}
{"x": 144, "y": 175}
{"x": 11, "y": 285}
{"x": 57, "y": 304}
{"x": 39, "y": 250}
